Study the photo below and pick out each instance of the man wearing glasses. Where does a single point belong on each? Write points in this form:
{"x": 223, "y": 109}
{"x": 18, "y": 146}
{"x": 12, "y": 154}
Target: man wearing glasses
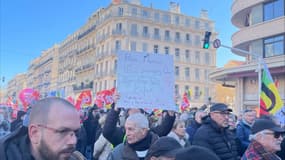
{"x": 51, "y": 133}
{"x": 214, "y": 133}
{"x": 266, "y": 137}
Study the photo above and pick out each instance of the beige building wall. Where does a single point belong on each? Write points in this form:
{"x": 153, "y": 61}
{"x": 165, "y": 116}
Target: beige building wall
{"x": 87, "y": 58}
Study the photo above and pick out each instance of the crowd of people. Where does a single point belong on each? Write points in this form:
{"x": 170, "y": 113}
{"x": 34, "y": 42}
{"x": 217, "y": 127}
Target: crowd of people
{"x": 54, "y": 130}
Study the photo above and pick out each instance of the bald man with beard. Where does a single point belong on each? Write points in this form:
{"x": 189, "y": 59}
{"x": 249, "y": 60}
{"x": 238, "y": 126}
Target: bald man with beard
{"x": 51, "y": 133}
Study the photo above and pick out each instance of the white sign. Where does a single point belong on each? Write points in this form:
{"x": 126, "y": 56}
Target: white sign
{"x": 217, "y": 43}
{"x": 145, "y": 81}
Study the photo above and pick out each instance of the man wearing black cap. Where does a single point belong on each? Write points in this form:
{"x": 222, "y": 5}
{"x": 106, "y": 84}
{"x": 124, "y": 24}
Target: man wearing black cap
{"x": 214, "y": 133}
{"x": 165, "y": 148}
{"x": 266, "y": 138}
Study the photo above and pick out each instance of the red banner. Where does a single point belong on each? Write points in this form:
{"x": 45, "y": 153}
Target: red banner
{"x": 104, "y": 98}
{"x": 84, "y": 100}
{"x": 28, "y": 96}
{"x": 185, "y": 104}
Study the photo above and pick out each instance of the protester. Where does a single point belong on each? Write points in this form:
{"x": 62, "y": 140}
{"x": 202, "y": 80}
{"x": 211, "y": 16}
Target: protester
{"x": 244, "y": 126}
{"x": 115, "y": 135}
{"x": 138, "y": 139}
{"x": 81, "y": 140}
{"x": 214, "y": 133}
{"x": 266, "y": 137}
{"x": 102, "y": 146}
{"x": 179, "y": 134}
{"x": 19, "y": 121}
{"x": 4, "y": 126}
{"x": 165, "y": 148}
{"x": 195, "y": 124}
{"x": 196, "y": 153}
{"x": 91, "y": 124}
{"x": 51, "y": 133}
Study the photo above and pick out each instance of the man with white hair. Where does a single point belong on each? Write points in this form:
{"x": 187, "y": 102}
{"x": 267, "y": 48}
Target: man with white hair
{"x": 266, "y": 137}
{"x": 138, "y": 139}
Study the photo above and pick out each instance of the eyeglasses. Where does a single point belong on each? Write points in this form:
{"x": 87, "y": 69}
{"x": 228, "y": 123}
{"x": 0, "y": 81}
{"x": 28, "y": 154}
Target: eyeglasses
{"x": 276, "y": 135}
{"x": 62, "y": 132}
{"x": 222, "y": 113}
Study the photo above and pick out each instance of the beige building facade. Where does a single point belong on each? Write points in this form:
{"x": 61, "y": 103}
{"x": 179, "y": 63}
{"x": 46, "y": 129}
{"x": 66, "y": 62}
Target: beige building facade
{"x": 261, "y": 32}
{"x": 86, "y": 59}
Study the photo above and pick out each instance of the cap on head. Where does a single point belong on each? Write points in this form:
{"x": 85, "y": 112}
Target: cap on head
{"x": 164, "y": 146}
{"x": 263, "y": 124}
{"x": 220, "y": 107}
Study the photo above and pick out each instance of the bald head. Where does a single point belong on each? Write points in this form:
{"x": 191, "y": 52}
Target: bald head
{"x": 41, "y": 110}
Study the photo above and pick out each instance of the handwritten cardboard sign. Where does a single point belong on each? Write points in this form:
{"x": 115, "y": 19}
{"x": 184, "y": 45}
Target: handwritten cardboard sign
{"x": 145, "y": 80}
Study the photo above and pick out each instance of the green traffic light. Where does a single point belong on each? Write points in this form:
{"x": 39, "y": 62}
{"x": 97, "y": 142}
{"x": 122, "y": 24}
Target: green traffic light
{"x": 206, "y": 45}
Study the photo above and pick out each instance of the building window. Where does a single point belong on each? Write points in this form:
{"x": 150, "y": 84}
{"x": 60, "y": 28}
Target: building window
{"x": 156, "y": 33}
{"x": 145, "y": 13}
{"x": 145, "y": 31}
{"x": 207, "y": 58}
{"x": 177, "y": 20}
{"x": 186, "y": 88}
{"x": 133, "y": 46}
{"x": 187, "y": 22}
{"x": 197, "y": 41}
{"x": 115, "y": 83}
{"x": 176, "y": 90}
{"x": 119, "y": 27}
{"x": 273, "y": 46}
{"x": 197, "y": 57}
{"x": 106, "y": 67}
{"x": 197, "y": 92}
{"x": 206, "y": 74}
{"x": 188, "y": 38}
{"x": 207, "y": 26}
{"x": 167, "y": 35}
{"x": 115, "y": 65}
{"x": 273, "y": 9}
{"x": 177, "y": 71}
{"x": 166, "y": 50}
{"x": 155, "y": 49}
{"x": 187, "y": 55}
{"x": 144, "y": 47}
{"x": 197, "y": 24}
{"x": 118, "y": 45}
{"x": 166, "y": 19}
{"x": 177, "y": 53}
{"x": 197, "y": 74}
{"x": 187, "y": 73}
{"x": 120, "y": 11}
{"x": 156, "y": 17}
{"x": 105, "y": 84}
{"x": 177, "y": 36}
{"x": 134, "y": 11}
{"x": 134, "y": 29}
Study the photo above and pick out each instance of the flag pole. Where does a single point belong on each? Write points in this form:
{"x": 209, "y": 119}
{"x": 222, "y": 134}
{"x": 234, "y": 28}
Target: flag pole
{"x": 258, "y": 70}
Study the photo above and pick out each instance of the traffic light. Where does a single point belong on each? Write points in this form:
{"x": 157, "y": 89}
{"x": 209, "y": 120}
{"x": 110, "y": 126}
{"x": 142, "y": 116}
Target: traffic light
{"x": 206, "y": 43}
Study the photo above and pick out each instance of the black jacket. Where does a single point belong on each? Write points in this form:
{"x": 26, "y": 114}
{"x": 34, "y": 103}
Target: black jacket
{"x": 115, "y": 135}
{"x": 16, "y": 146}
{"x": 220, "y": 140}
{"x": 281, "y": 153}
{"x": 125, "y": 151}
{"x": 91, "y": 125}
